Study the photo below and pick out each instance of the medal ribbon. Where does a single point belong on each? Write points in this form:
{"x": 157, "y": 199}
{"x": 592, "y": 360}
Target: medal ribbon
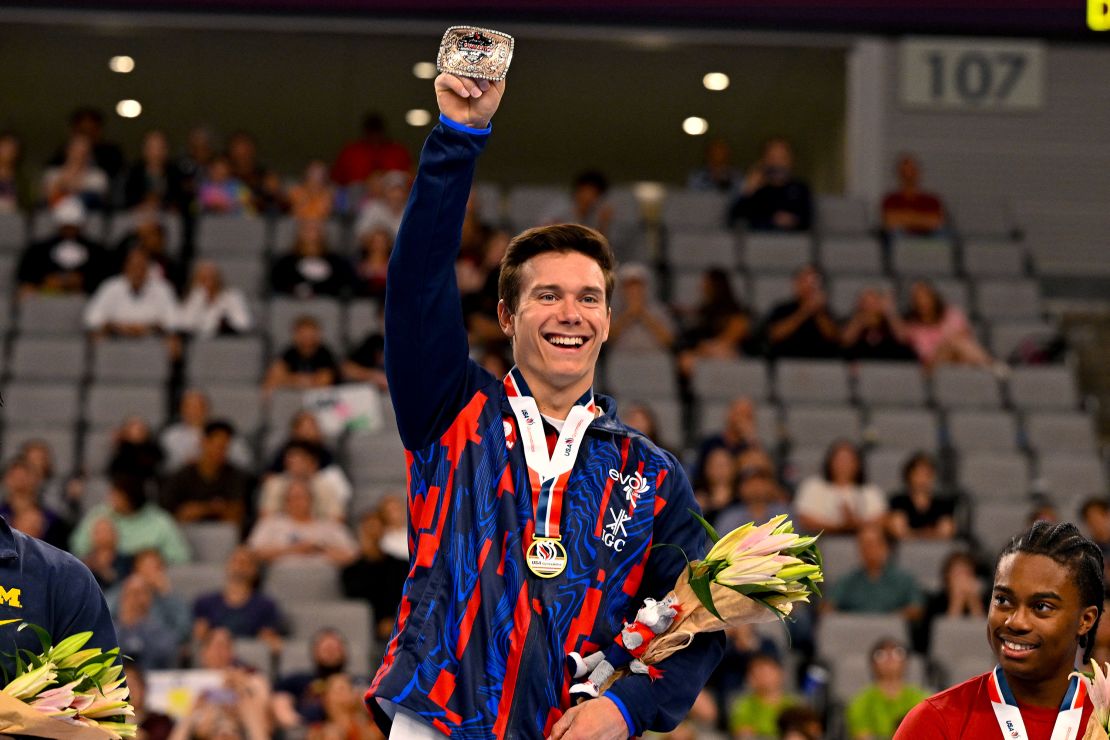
{"x": 548, "y": 474}
{"x": 1008, "y": 714}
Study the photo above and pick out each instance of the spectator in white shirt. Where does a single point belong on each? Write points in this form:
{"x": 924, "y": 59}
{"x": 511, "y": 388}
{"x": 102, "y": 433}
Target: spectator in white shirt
{"x": 840, "y": 500}
{"x": 296, "y": 532}
{"x": 331, "y": 489}
{"x": 385, "y": 213}
{"x": 211, "y": 308}
{"x": 136, "y": 303}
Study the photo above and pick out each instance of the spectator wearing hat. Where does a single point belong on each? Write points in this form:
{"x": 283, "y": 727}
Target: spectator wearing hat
{"x": 69, "y": 262}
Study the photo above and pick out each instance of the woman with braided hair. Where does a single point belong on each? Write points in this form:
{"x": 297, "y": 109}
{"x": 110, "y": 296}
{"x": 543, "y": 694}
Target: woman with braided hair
{"x": 1045, "y": 608}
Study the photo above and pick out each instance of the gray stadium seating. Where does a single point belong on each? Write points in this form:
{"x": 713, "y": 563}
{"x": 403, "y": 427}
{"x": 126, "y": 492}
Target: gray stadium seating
{"x": 922, "y": 256}
{"x": 982, "y": 431}
{"x": 724, "y": 380}
{"x": 243, "y": 235}
{"x": 812, "y": 381}
{"x": 640, "y": 376}
{"x": 1008, "y": 299}
{"x": 60, "y": 438}
{"x": 904, "y": 429}
{"x": 890, "y": 384}
{"x": 783, "y": 253}
{"x": 109, "y": 404}
{"x": 13, "y": 232}
{"x": 362, "y": 319}
{"x": 211, "y": 542}
{"x": 48, "y": 359}
{"x": 694, "y": 209}
{"x": 327, "y": 311}
{"x": 1060, "y": 432}
{"x": 698, "y": 250}
{"x": 957, "y": 386}
{"x": 529, "y": 205}
{"x": 1046, "y": 387}
{"x": 42, "y": 314}
{"x": 844, "y": 292}
{"x": 994, "y": 259}
{"x": 770, "y": 290}
{"x": 842, "y": 215}
{"x": 994, "y": 476}
{"x": 956, "y": 639}
{"x": 815, "y": 426}
{"x": 1073, "y": 475}
{"x": 131, "y": 361}
{"x": 225, "y": 360}
{"x": 851, "y": 255}
{"x": 299, "y": 581}
{"x": 40, "y": 405}
{"x": 838, "y": 634}
{"x": 242, "y": 405}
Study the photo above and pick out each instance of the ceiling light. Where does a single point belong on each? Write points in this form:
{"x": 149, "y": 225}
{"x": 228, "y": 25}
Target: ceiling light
{"x": 424, "y": 70}
{"x": 129, "y": 108}
{"x": 121, "y": 64}
{"x": 715, "y": 81}
{"x": 695, "y": 126}
{"x": 418, "y": 117}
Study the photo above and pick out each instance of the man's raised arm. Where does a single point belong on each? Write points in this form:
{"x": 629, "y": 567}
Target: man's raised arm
{"x": 425, "y": 347}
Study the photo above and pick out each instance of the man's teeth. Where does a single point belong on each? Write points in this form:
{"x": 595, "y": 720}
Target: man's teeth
{"x": 1016, "y": 647}
{"x": 566, "y": 341}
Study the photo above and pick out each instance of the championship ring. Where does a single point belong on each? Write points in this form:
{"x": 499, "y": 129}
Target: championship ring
{"x": 546, "y": 557}
{"x": 478, "y": 53}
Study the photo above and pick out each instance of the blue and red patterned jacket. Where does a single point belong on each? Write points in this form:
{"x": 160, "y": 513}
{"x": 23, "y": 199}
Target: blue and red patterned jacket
{"x": 480, "y": 643}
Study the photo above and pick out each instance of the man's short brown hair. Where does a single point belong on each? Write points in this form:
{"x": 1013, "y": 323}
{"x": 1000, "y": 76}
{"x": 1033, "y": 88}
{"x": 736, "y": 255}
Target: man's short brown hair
{"x": 558, "y": 238}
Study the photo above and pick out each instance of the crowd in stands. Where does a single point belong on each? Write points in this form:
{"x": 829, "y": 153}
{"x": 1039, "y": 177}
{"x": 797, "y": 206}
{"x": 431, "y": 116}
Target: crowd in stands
{"x": 293, "y": 498}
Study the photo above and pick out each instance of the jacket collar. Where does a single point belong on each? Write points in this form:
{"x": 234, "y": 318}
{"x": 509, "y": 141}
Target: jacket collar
{"x": 607, "y": 421}
{"x": 7, "y": 541}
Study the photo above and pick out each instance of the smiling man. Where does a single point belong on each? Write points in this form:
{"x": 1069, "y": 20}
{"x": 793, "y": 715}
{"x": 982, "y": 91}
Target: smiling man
{"x": 532, "y": 508}
{"x": 1045, "y": 608}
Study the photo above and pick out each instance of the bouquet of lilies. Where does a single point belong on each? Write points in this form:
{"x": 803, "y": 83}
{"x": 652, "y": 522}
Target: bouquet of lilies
{"x": 1099, "y": 691}
{"x": 752, "y": 574}
{"x": 66, "y": 692}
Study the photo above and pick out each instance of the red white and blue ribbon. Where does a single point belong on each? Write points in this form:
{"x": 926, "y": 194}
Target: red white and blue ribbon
{"x": 1068, "y": 721}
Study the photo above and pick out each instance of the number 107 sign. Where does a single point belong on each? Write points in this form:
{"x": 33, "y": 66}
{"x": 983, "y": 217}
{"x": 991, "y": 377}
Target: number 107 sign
{"x": 978, "y": 75}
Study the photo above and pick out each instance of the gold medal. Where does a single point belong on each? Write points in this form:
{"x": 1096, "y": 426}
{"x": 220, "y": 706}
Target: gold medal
{"x": 478, "y": 53}
{"x": 546, "y": 557}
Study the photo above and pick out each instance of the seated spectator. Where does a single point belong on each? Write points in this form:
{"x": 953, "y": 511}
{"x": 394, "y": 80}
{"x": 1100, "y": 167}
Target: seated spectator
{"x": 135, "y": 453}
{"x": 68, "y": 262}
{"x": 89, "y": 123}
{"x": 238, "y": 709}
{"x": 38, "y": 456}
{"x": 755, "y": 460}
{"x": 166, "y": 606}
{"x": 200, "y": 150}
{"x": 152, "y": 725}
{"x": 140, "y": 524}
{"x": 298, "y": 698}
{"x": 480, "y": 303}
{"x": 212, "y": 308}
{"x": 220, "y": 193}
{"x": 1095, "y": 513}
{"x": 721, "y": 324}
{"x": 962, "y": 592}
{"x": 296, "y": 533}
{"x": 366, "y": 362}
{"x": 919, "y": 511}
{"x": 641, "y": 416}
{"x": 877, "y": 710}
{"x": 143, "y": 637}
{"x": 385, "y": 213}
{"x": 303, "y": 427}
{"x": 313, "y": 198}
{"x": 345, "y": 715}
{"x": 155, "y": 179}
{"x": 239, "y": 608}
{"x": 330, "y": 489}
{"x": 772, "y": 198}
{"x": 139, "y": 302}
{"x": 804, "y": 326}
{"x": 212, "y": 488}
{"x": 909, "y": 209}
{"x": 878, "y": 586}
{"x": 376, "y": 577}
{"x": 307, "y": 363}
{"x": 181, "y": 441}
{"x": 374, "y": 152}
{"x": 640, "y": 323}
{"x": 242, "y": 157}
{"x": 754, "y": 714}
{"x": 372, "y": 263}
{"x": 395, "y": 535}
{"x": 742, "y": 645}
{"x": 1043, "y": 510}
{"x": 939, "y": 333}
{"x": 876, "y": 331}
{"x": 740, "y": 431}
{"x": 108, "y": 565}
{"x": 15, "y": 187}
{"x": 588, "y": 205}
{"x": 310, "y": 269}
{"x": 840, "y": 500}
{"x": 77, "y": 176}
{"x": 760, "y": 498}
{"x": 717, "y": 174}
{"x": 800, "y": 723}
{"x": 149, "y": 235}
{"x": 21, "y": 505}
{"x": 715, "y": 488}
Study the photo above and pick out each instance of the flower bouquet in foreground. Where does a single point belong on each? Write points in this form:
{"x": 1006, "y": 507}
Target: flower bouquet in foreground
{"x": 752, "y": 574}
{"x": 66, "y": 692}
{"x": 1099, "y": 691}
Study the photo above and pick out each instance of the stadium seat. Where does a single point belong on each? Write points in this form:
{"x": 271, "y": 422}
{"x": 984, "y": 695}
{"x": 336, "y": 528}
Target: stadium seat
{"x": 957, "y": 639}
{"x": 1006, "y": 337}
{"x": 285, "y": 234}
{"x": 806, "y": 461}
{"x": 1008, "y": 300}
{"x": 301, "y": 581}
{"x": 819, "y": 426}
{"x": 640, "y": 376}
{"x": 375, "y": 459}
{"x": 489, "y": 202}
{"x": 812, "y": 381}
{"x": 191, "y": 580}
{"x": 530, "y": 205}
{"x": 924, "y": 559}
{"x": 890, "y": 384}
{"x": 48, "y": 359}
{"x": 362, "y": 319}
{"x": 922, "y": 255}
{"x": 296, "y": 657}
{"x": 669, "y": 416}
{"x": 686, "y": 288}
{"x": 250, "y": 275}
{"x": 353, "y": 619}
{"x": 846, "y": 255}
{"x": 109, "y": 404}
{"x": 994, "y": 259}
{"x": 954, "y": 291}
{"x": 994, "y": 476}
{"x": 983, "y": 218}
{"x": 144, "y": 361}
{"x": 225, "y": 360}
{"x": 96, "y": 450}
{"x": 852, "y": 672}
{"x": 770, "y": 253}
{"x": 13, "y": 232}
{"x": 283, "y": 405}
{"x": 124, "y": 223}
{"x": 711, "y": 420}
{"x": 284, "y": 311}
{"x": 838, "y": 633}
{"x": 211, "y": 542}
{"x": 41, "y": 405}
{"x": 904, "y": 429}
{"x": 256, "y": 653}
{"x": 1046, "y": 387}
{"x": 840, "y": 554}
{"x": 44, "y": 314}
{"x": 884, "y": 467}
{"x": 217, "y": 235}
{"x": 842, "y": 215}
{"x": 982, "y": 431}
{"x": 770, "y": 290}
{"x": 700, "y": 250}
{"x": 695, "y": 210}
{"x": 957, "y": 386}
{"x": 1060, "y": 432}
{"x": 1073, "y": 475}
{"x": 844, "y": 291}
{"x": 240, "y": 404}
{"x": 726, "y": 379}
{"x": 997, "y": 522}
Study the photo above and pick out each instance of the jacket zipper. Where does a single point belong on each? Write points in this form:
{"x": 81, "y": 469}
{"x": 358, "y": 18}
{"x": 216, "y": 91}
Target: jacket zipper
{"x": 534, "y": 625}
